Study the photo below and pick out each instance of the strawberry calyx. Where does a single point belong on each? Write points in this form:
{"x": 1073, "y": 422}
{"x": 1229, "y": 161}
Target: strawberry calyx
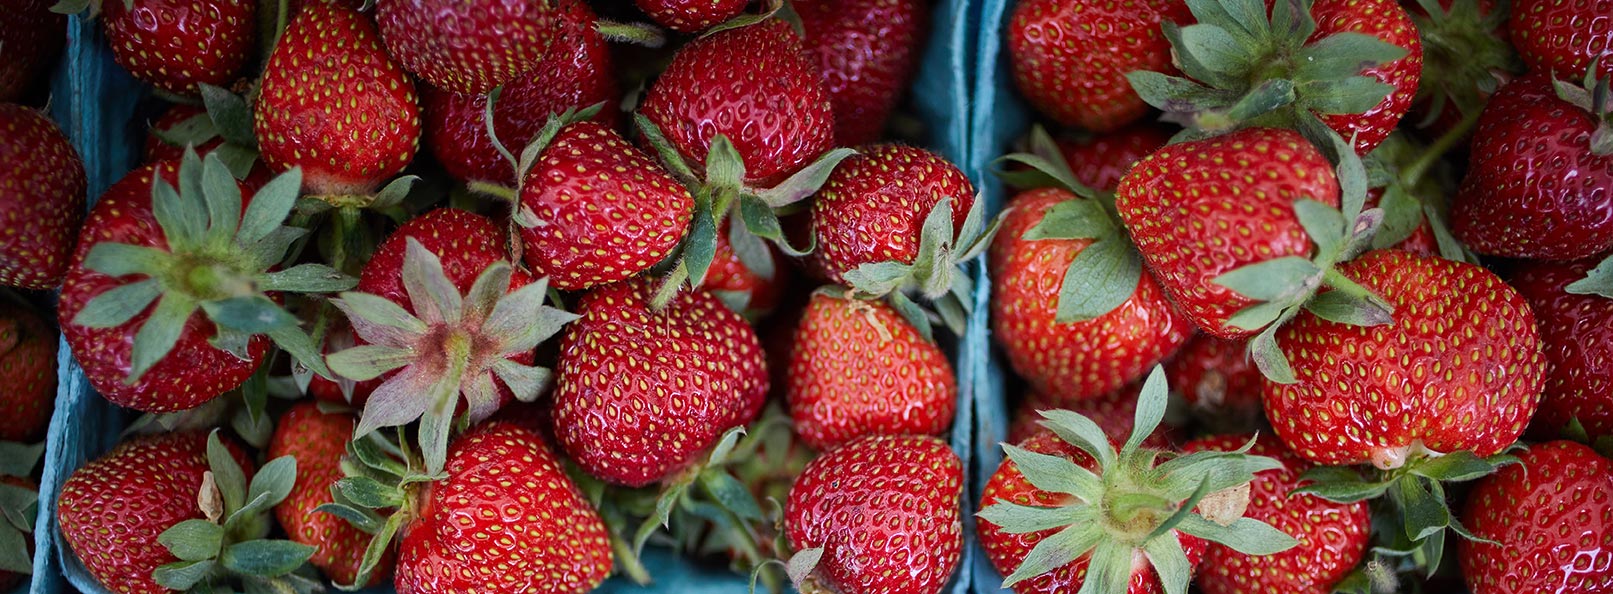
{"x": 1135, "y": 502}
{"x": 1464, "y": 60}
{"x": 1594, "y": 95}
{"x": 382, "y": 492}
{"x": 642, "y": 34}
{"x": 19, "y": 505}
{"x": 228, "y": 116}
{"x": 1599, "y": 281}
{"x": 220, "y": 259}
{"x": 452, "y": 345}
{"x": 1411, "y": 195}
{"x": 229, "y": 542}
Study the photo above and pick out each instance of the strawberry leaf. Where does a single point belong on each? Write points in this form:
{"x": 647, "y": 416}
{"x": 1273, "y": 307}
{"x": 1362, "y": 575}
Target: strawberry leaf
{"x": 1055, "y": 473}
{"x": 1598, "y": 282}
{"x": 159, "y": 333}
{"x": 265, "y": 558}
{"x": 1245, "y": 535}
{"x": 1102, "y": 277}
{"x": 802, "y": 564}
{"x": 1277, "y": 279}
{"x": 118, "y": 305}
{"x": 806, "y": 182}
{"x": 1170, "y": 562}
{"x": 1150, "y": 410}
{"x": 1014, "y": 518}
{"x": 1269, "y": 357}
{"x": 749, "y": 247}
{"x": 1059, "y": 550}
{"x": 193, "y": 540}
{"x": 1422, "y": 506}
{"x": 1081, "y": 432}
{"x": 230, "y": 115}
{"x": 183, "y": 575}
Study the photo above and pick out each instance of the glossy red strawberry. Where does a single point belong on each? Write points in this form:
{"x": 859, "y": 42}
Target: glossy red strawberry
{"x": 1561, "y": 37}
{"x": 575, "y": 72}
{"x": 467, "y": 242}
{"x": 42, "y": 190}
{"x": 1332, "y": 536}
{"x": 1577, "y": 334}
{"x": 330, "y": 58}
{"x": 1552, "y": 519}
{"x": 29, "y": 46}
{"x": 689, "y": 16}
{"x": 467, "y": 47}
{"x": 175, "y": 44}
{"x": 318, "y": 440}
{"x": 1217, "y": 380}
{"x": 858, "y": 368}
{"x": 1238, "y": 189}
{"x": 754, "y": 85}
{"x": 1535, "y": 187}
{"x": 641, "y": 393}
{"x": 755, "y": 293}
{"x": 603, "y": 210}
{"x": 27, "y": 370}
{"x": 1389, "y": 22}
{"x": 1460, "y": 368}
{"x": 873, "y": 207}
{"x": 884, "y": 511}
{"x": 1100, "y": 160}
{"x": 1070, "y": 57}
{"x": 868, "y": 51}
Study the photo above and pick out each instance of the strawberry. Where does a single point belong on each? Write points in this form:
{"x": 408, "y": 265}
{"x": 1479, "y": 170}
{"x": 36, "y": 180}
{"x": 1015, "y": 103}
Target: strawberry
{"x": 28, "y": 47}
{"x": 1465, "y": 57}
{"x": 1114, "y": 413}
{"x": 1549, "y": 521}
{"x": 575, "y": 72}
{"x": 858, "y": 368}
{"x": 744, "y": 290}
{"x": 874, "y": 207}
{"x": 879, "y": 515}
{"x": 1100, "y": 160}
{"x": 687, "y": 16}
{"x": 340, "y": 336}
{"x": 1332, "y": 536}
{"x": 753, "y": 85}
{"x": 1070, "y": 57}
{"x": 642, "y": 392}
{"x": 601, "y": 210}
{"x": 1563, "y": 38}
{"x": 318, "y": 440}
{"x": 176, "y": 44}
{"x": 27, "y": 370}
{"x": 1576, "y": 330}
{"x": 467, "y": 47}
{"x": 1051, "y": 517}
{"x": 170, "y": 294}
{"x": 1538, "y": 181}
{"x": 1218, "y": 381}
{"x": 331, "y": 58}
{"x": 157, "y": 148}
{"x": 467, "y": 242}
{"x": 43, "y": 191}
{"x": 868, "y": 51}
{"x": 190, "y": 125}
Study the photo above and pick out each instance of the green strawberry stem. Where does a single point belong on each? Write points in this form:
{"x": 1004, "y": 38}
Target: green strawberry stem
{"x": 641, "y": 34}
{"x": 1413, "y": 174}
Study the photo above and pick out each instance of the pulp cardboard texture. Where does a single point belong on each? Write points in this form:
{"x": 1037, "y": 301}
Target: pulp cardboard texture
{"x": 95, "y": 100}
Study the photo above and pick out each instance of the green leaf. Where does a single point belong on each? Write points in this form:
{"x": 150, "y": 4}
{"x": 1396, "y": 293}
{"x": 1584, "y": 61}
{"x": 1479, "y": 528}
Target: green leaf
{"x": 1344, "y": 55}
{"x": 1598, "y": 282}
{"x": 700, "y": 247}
{"x": 1081, "y": 432}
{"x": 251, "y": 315}
{"x": 300, "y": 346}
{"x": 265, "y": 558}
{"x": 731, "y": 494}
{"x": 369, "y": 493}
{"x": 227, "y": 474}
{"x": 1271, "y": 280}
{"x": 1269, "y": 357}
{"x": 122, "y": 259}
{"x": 1356, "y": 94}
{"x": 377, "y": 549}
{"x": 183, "y": 220}
{"x": 1343, "y": 308}
{"x": 1245, "y": 535}
{"x": 1170, "y": 562}
{"x": 725, "y": 168}
{"x": 1215, "y": 48}
{"x": 1423, "y": 511}
{"x": 1056, "y": 474}
{"x": 1151, "y": 403}
{"x": 1323, "y": 223}
{"x": 1102, "y": 277}
{"x": 15, "y": 552}
{"x": 1074, "y": 219}
{"x": 365, "y": 520}
{"x": 1056, "y": 551}
{"x": 913, "y": 314}
{"x": 805, "y": 182}
{"x": 1457, "y": 466}
{"x": 1109, "y": 569}
{"x": 1174, "y": 93}
{"x": 434, "y": 297}
{"x": 19, "y": 459}
{"x": 751, "y": 249}
{"x": 182, "y": 575}
{"x": 521, "y": 321}
{"x": 269, "y": 207}
{"x": 230, "y": 114}
{"x": 274, "y": 480}
{"x": 1340, "y": 485}
{"x": 1014, "y": 518}
{"x": 1257, "y": 316}
{"x": 223, "y": 199}
{"x": 193, "y": 540}
{"x": 118, "y": 305}
{"x": 307, "y": 278}
{"x": 669, "y": 155}
{"x": 271, "y": 249}
{"x": 237, "y": 159}
{"x": 803, "y": 563}
{"x": 158, "y": 335}
{"x": 663, "y": 514}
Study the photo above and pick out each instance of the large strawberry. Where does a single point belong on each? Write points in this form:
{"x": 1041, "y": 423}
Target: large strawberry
{"x": 1052, "y": 517}
{"x": 173, "y": 289}
{"x": 176, "y": 44}
{"x": 467, "y": 47}
{"x": 868, "y": 51}
{"x": 1538, "y": 183}
{"x": 1218, "y": 381}
{"x": 1549, "y": 523}
{"x": 1576, "y": 329}
{"x": 753, "y": 292}
{"x": 879, "y": 515}
{"x": 28, "y": 46}
{"x": 43, "y": 184}
{"x": 1114, "y": 413}
{"x": 597, "y": 210}
{"x": 330, "y": 58}
{"x": 1100, "y": 160}
{"x": 27, "y": 370}
{"x": 691, "y": 16}
{"x": 1332, "y": 536}
{"x": 858, "y": 368}
{"x": 1563, "y": 38}
{"x": 641, "y": 392}
{"x": 318, "y": 440}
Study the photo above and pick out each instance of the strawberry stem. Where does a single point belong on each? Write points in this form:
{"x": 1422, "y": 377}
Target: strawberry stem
{"x": 1415, "y": 172}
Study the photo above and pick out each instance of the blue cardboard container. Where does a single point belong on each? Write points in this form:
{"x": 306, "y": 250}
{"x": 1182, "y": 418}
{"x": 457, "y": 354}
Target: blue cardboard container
{"x": 96, "y": 104}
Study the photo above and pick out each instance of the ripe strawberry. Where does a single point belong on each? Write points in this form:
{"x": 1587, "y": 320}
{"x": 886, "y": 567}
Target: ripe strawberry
{"x": 1563, "y": 38}
{"x": 175, "y": 44}
{"x": 27, "y": 370}
{"x": 467, "y": 47}
{"x": 858, "y": 368}
{"x": 1577, "y": 333}
{"x": 642, "y": 392}
{"x": 156, "y": 149}
{"x": 747, "y": 291}
{"x": 1100, "y": 160}
{"x": 1060, "y": 358}
{"x": 43, "y": 183}
{"x": 882, "y": 512}
{"x": 1332, "y": 536}
{"x": 1459, "y": 368}
{"x": 874, "y": 206}
{"x": 189, "y": 125}
{"x": 687, "y": 16}
{"x": 331, "y": 58}
{"x": 29, "y": 46}
{"x": 1070, "y": 57}
{"x": 754, "y": 85}
{"x": 604, "y": 211}
{"x": 1218, "y": 381}
{"x": 1115, "y": 413}
{"x": 1551, "y": 519}
{"x": 1239, "y": 189}
{"x": 1537, "y": 187}
{"x": 575, "y": 72}
{"x": 868, "y": 51}
{"x": 466, "y": 242}
{"x": 318, "y": 440}
{"x": 112, "y": 510}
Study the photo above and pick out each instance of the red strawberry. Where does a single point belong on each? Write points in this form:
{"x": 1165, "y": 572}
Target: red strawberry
{"x": 1115, "y": 413}
{"x": 175, "y": 44}
{"x": 1551, "y": 517}
{"x": 1332, "y": 536}
{"x": 642, "y": 392}
{"x": 467, "y": 47}
{"x": 1563, "y": 38}
{"x": 736, "y": 284}
{"x": 883, "y": 513}
{"x": 28, "y": 46}
{"x": 1459, "y": 368}
{"x": 858, "y": 368}
{"x": 603, "y": 210}
{"x": 754, "y": 85}
{"x": 467, "y": 242}
{"x": 112, "y": 509}
{"x": 1064, "y": 358}
{"x": 1577, "y": 333}
{"x": 1218, "y": 380}
{"x": 1238, "y": 189}
{"x": 41, "y": 190}
{"x": 27, "y": 370}
{"x": 330, "y": 58}
{"x": 318, "y": 440}
{"x": 1100, "y": 160}
{"x": 1536, "y": 186}
{"x": 688, "y": 16}
{"x": 157, "y": 149}
{"x": 575, "y": 72}
{"x": 868, "y": 51}
{"x": 1389, "y": 22}
{"x": 1070, "y": 57}
{"x": 873, "y": 207}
